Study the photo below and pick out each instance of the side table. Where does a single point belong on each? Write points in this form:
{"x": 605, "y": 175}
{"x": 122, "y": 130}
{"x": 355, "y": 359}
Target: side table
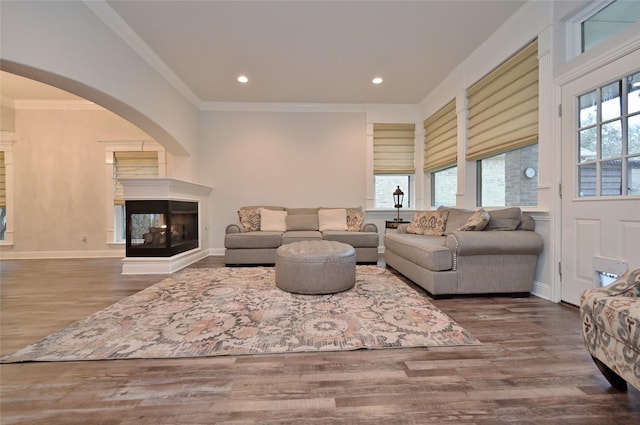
{"x": 393, "y": 224}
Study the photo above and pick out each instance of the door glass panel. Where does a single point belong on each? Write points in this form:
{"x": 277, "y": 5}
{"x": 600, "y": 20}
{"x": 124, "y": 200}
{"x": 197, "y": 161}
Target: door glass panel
{"x": 587, "y": 180}
{"x": 612, "y": 140}
{"x": 588, "y": 109}
{"x": 633, "y": 134}
{"x": 605, "y": 153}
{"x": 633, "y": 91}
{"x": 611, "y": 181}
{"x": 611, "y": 101}
{"x": 588, "y": 141}
{"x": 633, "y": 176}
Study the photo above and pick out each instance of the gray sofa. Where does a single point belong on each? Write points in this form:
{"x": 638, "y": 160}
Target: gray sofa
{"x": 497, "y": 259}
{"x": 247, "y": 242}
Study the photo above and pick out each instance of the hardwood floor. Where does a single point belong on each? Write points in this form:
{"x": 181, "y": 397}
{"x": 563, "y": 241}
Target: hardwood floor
{"x": 531, "y": 368}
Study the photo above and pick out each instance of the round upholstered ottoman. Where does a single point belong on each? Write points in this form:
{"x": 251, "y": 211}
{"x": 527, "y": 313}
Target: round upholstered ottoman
{"x": 315, "y": 267}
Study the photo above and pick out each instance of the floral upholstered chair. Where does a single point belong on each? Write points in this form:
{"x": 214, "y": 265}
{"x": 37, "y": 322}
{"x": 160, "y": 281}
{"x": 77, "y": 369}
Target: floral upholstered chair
{"x": 611, "y": 329}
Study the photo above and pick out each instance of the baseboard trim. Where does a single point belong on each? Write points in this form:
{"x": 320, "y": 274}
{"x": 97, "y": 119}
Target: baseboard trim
{"x": 161, "y": 265}
{"x": 44, "y": 255}
{"x": 542, "y": 290}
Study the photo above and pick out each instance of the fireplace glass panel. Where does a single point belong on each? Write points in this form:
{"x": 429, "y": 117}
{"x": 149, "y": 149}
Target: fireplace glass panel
{"x": 148, "y": 230}
{"x": 161, "y": 228}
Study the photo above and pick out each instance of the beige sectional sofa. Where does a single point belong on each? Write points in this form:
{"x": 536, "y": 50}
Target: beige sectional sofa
{"x": 494, "y": 252}
{"x": 253, "y": 240}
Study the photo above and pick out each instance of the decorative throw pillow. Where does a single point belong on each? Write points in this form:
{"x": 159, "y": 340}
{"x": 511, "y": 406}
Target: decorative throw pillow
{"x": 355, "y": 218}
{"x": 504, "y": 219}
{"x": 456, "y": 218}
{"x": 250, "y": 219}
{"x": 477, "y": 221}
{"x": 302, "y": 221}
{"x": 273, "y": 221}
{"x": 332, "y": 219}
{"x": 430, "y": 223}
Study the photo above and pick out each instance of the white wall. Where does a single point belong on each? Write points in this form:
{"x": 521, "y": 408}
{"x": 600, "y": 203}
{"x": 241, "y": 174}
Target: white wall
{"x": 59, "y": 193}
{"x": 291, "y": 159}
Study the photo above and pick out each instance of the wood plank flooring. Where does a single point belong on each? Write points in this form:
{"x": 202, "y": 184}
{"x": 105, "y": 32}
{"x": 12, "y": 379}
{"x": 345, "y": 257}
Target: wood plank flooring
{"x": 531, "y": 368}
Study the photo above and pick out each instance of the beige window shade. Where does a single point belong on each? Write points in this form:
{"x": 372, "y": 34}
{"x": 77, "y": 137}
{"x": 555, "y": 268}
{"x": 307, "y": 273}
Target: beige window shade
{"x": 503, "y": 107}
{"x": 393, "y": 148}
{"x": 3, "y": 182}
{"x": 132, "y": 165}
{"x": 441, "y": 138}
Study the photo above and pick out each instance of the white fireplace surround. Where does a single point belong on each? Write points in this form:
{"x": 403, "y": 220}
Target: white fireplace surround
{"x": 172, "y": 190}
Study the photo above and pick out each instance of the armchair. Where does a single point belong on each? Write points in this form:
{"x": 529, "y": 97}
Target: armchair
{"x": 611, "y": 329}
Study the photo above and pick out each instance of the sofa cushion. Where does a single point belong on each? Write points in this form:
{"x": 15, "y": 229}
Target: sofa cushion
{"x": 300, "y": 235}
{"x": 425, "y": 251}
{"x": 456, "y": 218}
{"x": 430, "y": 223}
{"x": 302, "y": 221}
{"x": 252, "y": 240}
{"x": 355, "y": 218}
{"x": 250, "y": 219}
{"x": 504, "y": 219}
{"x": 355, "y": 239}
{"x": 273, "y": 221}
{"x": 476, "y": 222}
{"x": 527, "y": 223}
{"x": 332, "y": 219}
{"x": 302, "y": 211}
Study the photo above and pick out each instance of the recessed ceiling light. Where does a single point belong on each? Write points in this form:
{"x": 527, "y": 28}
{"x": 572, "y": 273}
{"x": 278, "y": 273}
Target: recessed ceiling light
{"x": 377, "y": 80}
{"x": 243, "y": 79}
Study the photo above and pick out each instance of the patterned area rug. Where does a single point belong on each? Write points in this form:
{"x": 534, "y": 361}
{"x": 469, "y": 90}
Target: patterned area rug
{"x": 234, "y": 311}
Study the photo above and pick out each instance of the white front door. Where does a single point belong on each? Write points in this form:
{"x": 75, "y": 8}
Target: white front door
{"x": 600, "y": 173}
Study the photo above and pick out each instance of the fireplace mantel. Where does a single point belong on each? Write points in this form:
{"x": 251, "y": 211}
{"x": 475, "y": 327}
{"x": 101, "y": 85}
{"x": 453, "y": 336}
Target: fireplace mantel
{"x": 163, "y": 188}
{"x": 171, "y": 190}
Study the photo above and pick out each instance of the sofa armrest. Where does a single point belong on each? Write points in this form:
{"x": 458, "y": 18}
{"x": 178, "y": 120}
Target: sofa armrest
{"x": 512, "y": 242}
{"x": 627, "y": 285}
{"x": 402, "y": 228}
{"x": 234, "y": 228}
{"x": 369, "y": 227}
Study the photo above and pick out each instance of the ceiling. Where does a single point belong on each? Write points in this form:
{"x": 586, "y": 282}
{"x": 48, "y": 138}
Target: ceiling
{"x": 306, "y": 51}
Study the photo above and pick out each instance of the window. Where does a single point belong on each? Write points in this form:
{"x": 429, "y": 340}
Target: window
{"x": 444, "y": 185}
{"x": 129, "y": 164}
{"x": 503, "y": 131}
{"x": 509, "y": 179}
{"x": 441, "y": 154}
{"x": 607, "y": 21}
{"x": 608, "y": 162}
{"x": 393, "y": 162}
{"x": 385, "y": 185}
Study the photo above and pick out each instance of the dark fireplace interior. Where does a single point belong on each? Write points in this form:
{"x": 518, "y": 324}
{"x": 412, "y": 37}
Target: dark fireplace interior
{"x": 161, "y": 228}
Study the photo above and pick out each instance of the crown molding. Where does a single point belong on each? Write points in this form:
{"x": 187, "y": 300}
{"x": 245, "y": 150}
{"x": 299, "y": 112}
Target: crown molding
{"x": 118, "y": 25}
{"x": 282, "y": 107}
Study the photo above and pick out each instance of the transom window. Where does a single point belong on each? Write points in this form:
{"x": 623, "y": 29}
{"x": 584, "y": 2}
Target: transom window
{"x": 608, "y": 162}
{"x": 607, "y": 21}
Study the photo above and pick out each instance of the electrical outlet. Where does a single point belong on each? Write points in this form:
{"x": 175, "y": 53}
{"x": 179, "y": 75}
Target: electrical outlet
{"x": 83, "y": 238}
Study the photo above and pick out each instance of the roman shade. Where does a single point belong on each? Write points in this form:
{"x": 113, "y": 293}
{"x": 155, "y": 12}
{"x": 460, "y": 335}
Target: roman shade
{"x": 441, "y": 138}
{"x": 393, "y": 148}
{"x": 503, "y": 106}
{"x": 132, "y": 165}
{"x": 3, "y": 182}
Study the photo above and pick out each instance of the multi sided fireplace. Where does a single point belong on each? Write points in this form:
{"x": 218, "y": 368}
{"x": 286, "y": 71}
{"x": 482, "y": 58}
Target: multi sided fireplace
{"x": 161, "y": 228}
